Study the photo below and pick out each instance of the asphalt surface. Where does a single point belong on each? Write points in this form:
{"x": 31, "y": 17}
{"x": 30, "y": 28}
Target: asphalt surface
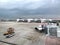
{"x": 25, "y": 34}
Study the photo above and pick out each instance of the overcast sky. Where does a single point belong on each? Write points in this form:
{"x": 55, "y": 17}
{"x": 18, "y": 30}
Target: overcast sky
{"x": 28, "y": 4}
{"x": 30, "y": 7}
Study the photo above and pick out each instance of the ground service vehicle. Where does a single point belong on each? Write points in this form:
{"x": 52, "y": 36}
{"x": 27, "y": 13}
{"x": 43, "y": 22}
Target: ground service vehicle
{"x": 10, "y": 32}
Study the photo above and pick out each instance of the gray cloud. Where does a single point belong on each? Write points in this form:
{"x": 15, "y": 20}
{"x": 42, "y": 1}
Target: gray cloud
{"x": 28, "y": 4}
{"x": 29, "y": 7}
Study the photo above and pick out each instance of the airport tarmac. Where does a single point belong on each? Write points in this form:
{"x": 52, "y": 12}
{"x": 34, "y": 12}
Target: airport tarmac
{"x": 25, "y": 34}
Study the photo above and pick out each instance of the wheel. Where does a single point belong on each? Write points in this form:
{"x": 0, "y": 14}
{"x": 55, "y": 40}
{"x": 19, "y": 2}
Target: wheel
{"x": 36, "y": 28}
{"x": 8, "y": 36}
